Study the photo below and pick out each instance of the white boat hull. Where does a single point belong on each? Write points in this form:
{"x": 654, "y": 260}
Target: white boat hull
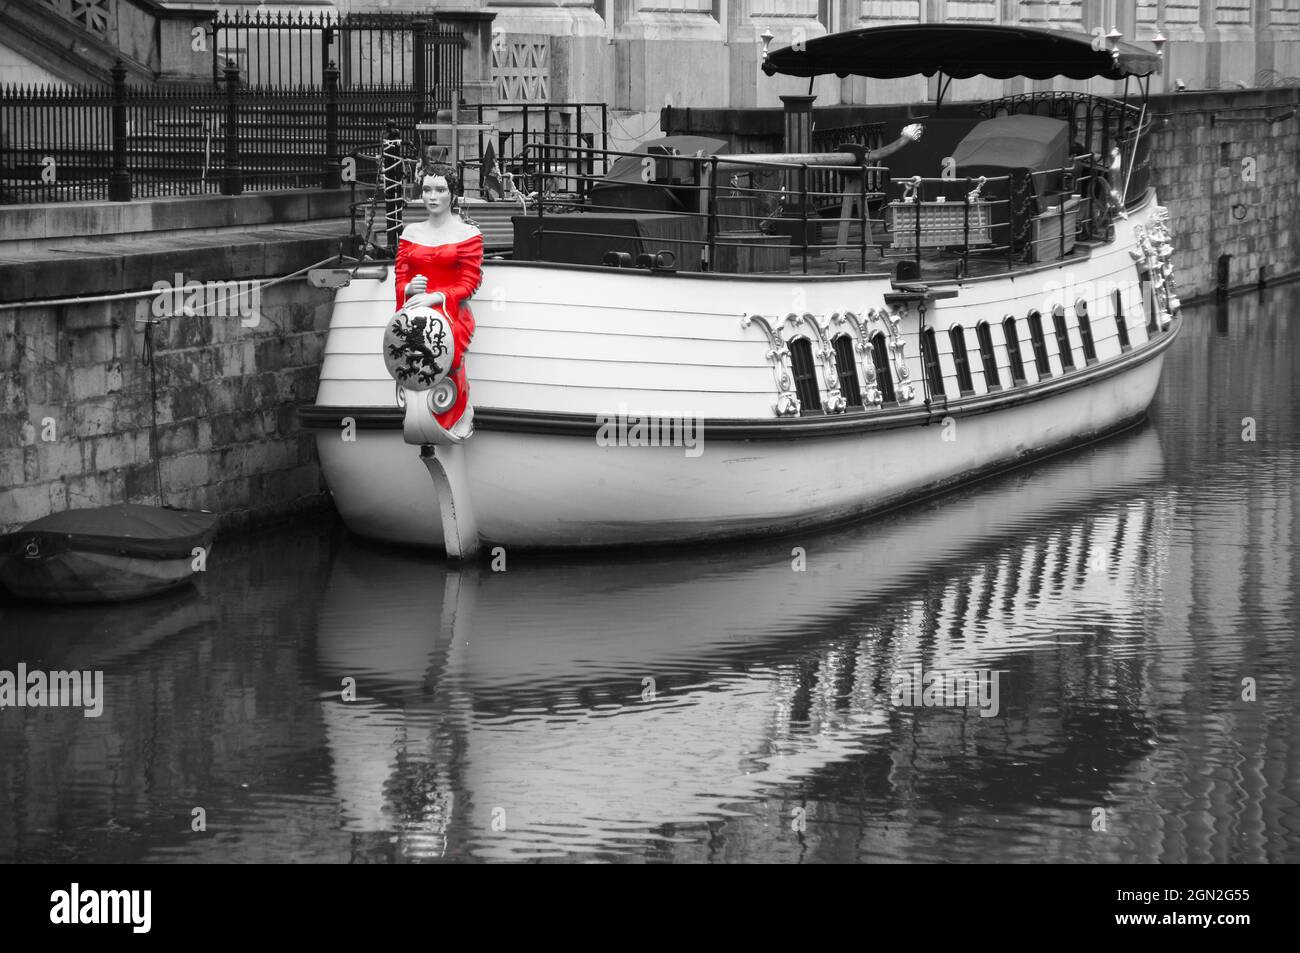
{"x": 556, "y": 491}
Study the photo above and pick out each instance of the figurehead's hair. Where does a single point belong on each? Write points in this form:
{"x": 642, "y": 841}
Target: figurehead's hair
{"x": 444, "y": 169}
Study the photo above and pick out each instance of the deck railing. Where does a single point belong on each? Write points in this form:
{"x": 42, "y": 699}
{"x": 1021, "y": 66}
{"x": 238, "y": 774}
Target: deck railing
{"x": 779, "y": 195}
{"x": 1098, "y": 126}
{"x": 772, "y": 203}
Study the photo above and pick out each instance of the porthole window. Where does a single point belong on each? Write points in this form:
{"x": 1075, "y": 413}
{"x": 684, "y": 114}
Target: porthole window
{"x": 1062, "y": 338}
{"x": 1041, "y": 363}
{"x": 985, "y": 337}
{"x": 1012, "y": 335}
{"x": 805, "y": 374}
{"x": 1085, "y": 331}
{"x": 884, "y": 374}
{"x": 848, "y": 373}
{"x": 960, "y": 358}
{"x": 933, "y": 372}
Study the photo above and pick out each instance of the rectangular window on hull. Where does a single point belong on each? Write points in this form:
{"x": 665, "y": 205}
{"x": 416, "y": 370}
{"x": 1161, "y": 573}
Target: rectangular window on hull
{"x": 930, "y": 354}
{"x": 1012, "y": 334}
{"x": 1146, "y": 281}
{"x": 848, "y": 373}
{"x": 1063, "y": 338}
{"x": 884, "y": 376}
{"x": 1085, "y": 331}
{"x": 1041, "y": 363}
{"x": 805, "y": 375}
{"x": 957, "y": 337}
{"x": 1121, "y": 323}
{"x": 987, "y": 357}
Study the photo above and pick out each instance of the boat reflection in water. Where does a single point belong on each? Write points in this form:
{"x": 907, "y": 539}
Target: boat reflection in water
{"x": 590, "y": 706}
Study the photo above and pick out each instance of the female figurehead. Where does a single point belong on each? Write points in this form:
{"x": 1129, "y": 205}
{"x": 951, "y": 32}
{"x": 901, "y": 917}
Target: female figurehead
{"x": 440, "y": 265}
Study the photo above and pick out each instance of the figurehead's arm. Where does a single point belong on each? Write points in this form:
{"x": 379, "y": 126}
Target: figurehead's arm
{"x": 911, "y": 133}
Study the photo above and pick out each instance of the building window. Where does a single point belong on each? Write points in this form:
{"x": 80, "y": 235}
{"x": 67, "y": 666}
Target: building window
{"x": 848, "y": 373}
{"x": 1041, "y": 363}
{"x": 805, "y": 374}
{"x": 1063, "y": 338}
{"x": 1121, "y": 324}
{"x": 884, "y": 376}
{"x": 1012, "y": 334}
{"x": 990, "y": 361}
{"x": 957, "y": 337}
{"x": 1085, "y": 331}
{"x": 930, "y": 355}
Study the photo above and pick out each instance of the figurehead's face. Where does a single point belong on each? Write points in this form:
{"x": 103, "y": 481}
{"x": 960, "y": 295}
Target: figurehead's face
{"x": 436, "y": 194}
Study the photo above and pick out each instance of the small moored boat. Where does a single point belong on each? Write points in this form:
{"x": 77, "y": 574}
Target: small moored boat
{"x": 105, "y": 554}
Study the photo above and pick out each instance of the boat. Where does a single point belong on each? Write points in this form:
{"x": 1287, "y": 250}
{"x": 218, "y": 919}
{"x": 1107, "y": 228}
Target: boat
{"x": 106, "y": 553}
{"x": 646, "y": 375}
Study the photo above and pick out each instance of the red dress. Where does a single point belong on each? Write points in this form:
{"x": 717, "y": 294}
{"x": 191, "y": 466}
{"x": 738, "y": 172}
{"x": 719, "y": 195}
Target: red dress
{"x": 455, "y": 269}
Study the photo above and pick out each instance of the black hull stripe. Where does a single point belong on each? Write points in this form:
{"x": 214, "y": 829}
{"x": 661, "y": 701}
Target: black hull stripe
{"x": 777, "y": 428}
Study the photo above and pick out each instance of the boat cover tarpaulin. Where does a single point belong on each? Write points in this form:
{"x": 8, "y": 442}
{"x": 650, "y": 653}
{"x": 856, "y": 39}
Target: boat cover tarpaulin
{"x": 998, "y": 146}
{"x": 960, "y": 51}
{"x": 628, "y": 168}
{"x": 623, "y": 188}
{"x": 125, "y": 529}
{"x": 584, "y": 238}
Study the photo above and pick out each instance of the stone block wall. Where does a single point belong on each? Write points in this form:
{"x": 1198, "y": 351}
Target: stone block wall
{"x": 1227, "y": 164}
{"x": 76, "y": 407}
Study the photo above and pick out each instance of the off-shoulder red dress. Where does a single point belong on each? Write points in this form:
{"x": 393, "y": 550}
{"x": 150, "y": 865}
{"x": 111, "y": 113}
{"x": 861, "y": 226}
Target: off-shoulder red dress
{"x": 455, "y": 269}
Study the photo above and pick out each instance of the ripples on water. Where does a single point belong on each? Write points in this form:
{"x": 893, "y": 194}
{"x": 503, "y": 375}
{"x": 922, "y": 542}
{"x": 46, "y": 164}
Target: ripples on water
{"x": 1124, "y": 591}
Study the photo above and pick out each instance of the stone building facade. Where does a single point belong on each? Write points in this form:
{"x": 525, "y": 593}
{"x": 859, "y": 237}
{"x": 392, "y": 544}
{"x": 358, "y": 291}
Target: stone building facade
{"x": 640, "y": 55}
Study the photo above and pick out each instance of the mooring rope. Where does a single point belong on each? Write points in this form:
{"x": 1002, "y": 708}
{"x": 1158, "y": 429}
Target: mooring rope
{"x": 152, "y": 293}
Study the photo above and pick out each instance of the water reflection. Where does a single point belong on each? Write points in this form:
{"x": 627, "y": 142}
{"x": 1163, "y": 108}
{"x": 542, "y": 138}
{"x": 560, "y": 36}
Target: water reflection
{"x": 694, "y": 705}
{"x": 595, "y": 704}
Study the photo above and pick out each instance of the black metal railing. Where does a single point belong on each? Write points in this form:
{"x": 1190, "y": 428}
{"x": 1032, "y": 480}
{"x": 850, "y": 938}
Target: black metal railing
{"x": 520, "y": 125}
{"x": 946, "y": 225}
{"x": 1023, "y": 217}
{"x": 283, "y": 50}
{"x": 65, "y": 143}
{"x": 785, "y": 216}
{"x": 864, "y": 135}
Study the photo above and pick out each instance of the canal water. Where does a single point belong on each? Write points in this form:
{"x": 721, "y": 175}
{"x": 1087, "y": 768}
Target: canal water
{"x": 1135, "y": 601}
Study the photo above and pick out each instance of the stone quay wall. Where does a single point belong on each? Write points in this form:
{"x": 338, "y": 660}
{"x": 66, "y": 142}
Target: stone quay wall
{"x": 1227, "y": 165}
{"x": 77, "y": 408}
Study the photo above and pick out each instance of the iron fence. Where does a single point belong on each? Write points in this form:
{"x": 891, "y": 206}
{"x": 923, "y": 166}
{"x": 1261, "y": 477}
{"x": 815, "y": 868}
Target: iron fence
{"x": 284, "y": 50}
{"x": 118, "y": 142}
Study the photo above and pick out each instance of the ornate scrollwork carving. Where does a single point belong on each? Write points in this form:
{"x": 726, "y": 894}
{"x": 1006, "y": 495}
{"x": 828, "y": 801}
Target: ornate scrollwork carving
{"x": 787, "y": 404}
{"x": 893, "y": 320}
{"x": 1162, "y": 242}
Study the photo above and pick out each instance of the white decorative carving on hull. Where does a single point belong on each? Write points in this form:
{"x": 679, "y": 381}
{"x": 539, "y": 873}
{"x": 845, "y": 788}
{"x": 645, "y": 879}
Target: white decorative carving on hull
{"x": 787, "y": 404}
